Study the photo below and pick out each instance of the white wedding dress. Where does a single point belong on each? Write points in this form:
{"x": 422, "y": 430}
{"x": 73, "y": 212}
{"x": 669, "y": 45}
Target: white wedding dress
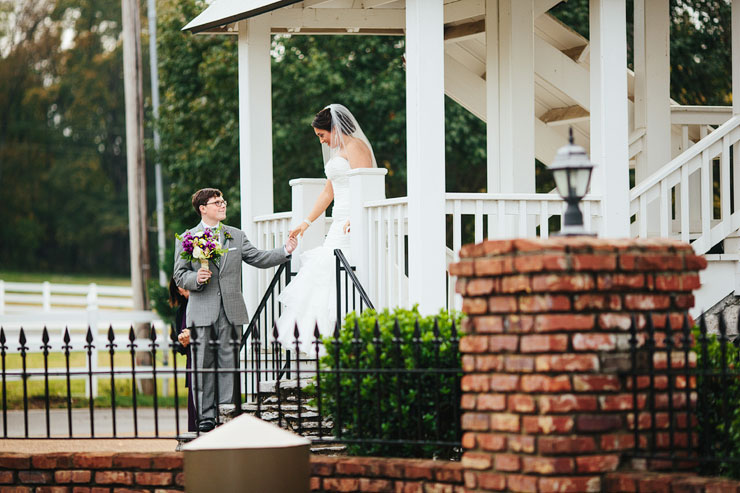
{"x": 310, "y": 297}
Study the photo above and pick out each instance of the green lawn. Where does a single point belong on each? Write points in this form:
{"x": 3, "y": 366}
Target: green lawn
{"x": 20, "y": 276}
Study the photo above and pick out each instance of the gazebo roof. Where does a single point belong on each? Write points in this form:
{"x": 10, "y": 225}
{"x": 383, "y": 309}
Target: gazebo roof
{"x": 223, "y": 12}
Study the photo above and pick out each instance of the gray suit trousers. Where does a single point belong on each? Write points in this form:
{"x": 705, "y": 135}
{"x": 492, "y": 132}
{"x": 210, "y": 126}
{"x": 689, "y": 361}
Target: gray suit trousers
{"x": 206, "y": 358}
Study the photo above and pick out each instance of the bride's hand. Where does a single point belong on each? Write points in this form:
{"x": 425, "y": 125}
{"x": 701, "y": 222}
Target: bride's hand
{"x": 346, "y": 227}
{"x": 298, "y": 231}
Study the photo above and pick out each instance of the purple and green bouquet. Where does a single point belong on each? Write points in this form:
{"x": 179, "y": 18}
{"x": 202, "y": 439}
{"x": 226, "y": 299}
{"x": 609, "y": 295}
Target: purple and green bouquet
{"x": 201, "y": 246}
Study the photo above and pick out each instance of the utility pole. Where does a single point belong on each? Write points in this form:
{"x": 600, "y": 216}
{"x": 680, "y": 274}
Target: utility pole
{"x": 137, "y": 210}
{"x": 153, "y": 69}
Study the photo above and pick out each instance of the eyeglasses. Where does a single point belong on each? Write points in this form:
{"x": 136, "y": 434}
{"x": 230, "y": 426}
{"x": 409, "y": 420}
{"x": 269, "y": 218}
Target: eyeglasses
{"x": 218, "y": 203}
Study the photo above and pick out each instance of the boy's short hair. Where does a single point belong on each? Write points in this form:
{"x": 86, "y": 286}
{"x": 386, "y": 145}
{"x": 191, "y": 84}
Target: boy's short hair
{"x": 202, "y": 196}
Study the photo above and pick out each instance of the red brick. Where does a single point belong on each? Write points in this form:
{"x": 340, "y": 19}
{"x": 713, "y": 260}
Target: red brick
{"x": 594, "y": 342}
{"x": 542, "y": 383}
{"x": 493, "y": 266}
{"x": 517, "y": 363}
{"x": 14, "y": 489}
{"x": 460, "y": 285}
{"x": 463, "y": 268}
{"x": 521, "y": 484}
{"x": 592, "y": 262}
{"x": 504, "y": 382}
{"x": 683, "y": 301}
{"x": 615, "y": 442}
{"x": 621, "y": 482}
{"x": 547, "y": 424}
{"x": 565, "y": 403}
{"x": 53, "y": 460}
{"x": 118, "y": 490}
{"x": 35, "y": 477}
{"x": 132, "y": 461}
{"x": 323, "y": 466}
{"x": 521, "y": 403}
{"x": 695, "y": 262}
{"x": 521, "y": 443}
{"x": 449, "y": 472}
{"x": 677, "y": 282}
{"x": 491, "y": 442}
{"x": 720, "y": 486}
{"x": 72, "y": 476}
{"x": 52, "y": 489}
{"x": 478, "y": 287}
{"x": 544, "y": 303}
{"x": 544, "y": 343}
{"x": 475, "y": 421}
{"x": 467, "y": 401}
{"x": 474, "y": 344}
{"x": 376, "y": 485}
{"x": 651, "y": 262}
{"x": 94, "y": 460}
{"x": 560, "y": 322}
{"x": 597, "y": 302}
{"x": 501, "y": 304}
{"x": 503, "y": 343}
{"x": 565, "y": 445}
{"x": 646, "y": 301}
{"x": 488, "y": 324}
{"x": 586, "y": 383}
{"x": 519, "y": 323}
{"x": 419, "y": 470}
{"x": 562, "y": 282}
{"x": 341, "y": 484}
{"x": 567, "y": 362}
{"x": 620, "y": 321}
{"x": 167, "y": 461}
{"x": 6, "y": 477}
{"x": 492, "y": 481}
{"x": 114, "y": 477}
{"x": 540, "y": 262}
{"x": 474, "y": 383}
{"x": 548, "y": 465}
{"x": 180, "y": 479}
{"x": 537, "y": 245}
{"x": 570, "y": 485}
{"x": 620, "y": 281}
{"x": 489, "y": 362}
{"x": 620, "y": 402}
{"x": 474, "y": 306}
{"x": 597, "y": 422}
{"x": 12, "y": 460}
{"x": 516, "y": 284}
{"x": 351, "y": 466}
{"x": 469, "y": 440}
{"x": 315, "y": 484}
{"x": 505, "y": 422}
{"x": 491, "y": 402}
{"x": 506, "y": 462}
{"x": 154, "y": 478}
{"x": 597, "y": 463}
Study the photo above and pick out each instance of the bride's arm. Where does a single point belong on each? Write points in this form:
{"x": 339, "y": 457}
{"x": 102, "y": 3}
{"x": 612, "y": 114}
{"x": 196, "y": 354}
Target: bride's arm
{"x": 322, "y": 202}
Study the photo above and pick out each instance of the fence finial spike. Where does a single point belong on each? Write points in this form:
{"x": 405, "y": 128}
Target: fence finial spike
{"x": 2, "y": 336}
{"x": 22, "y": 337}
{"x": 45, "y": 337}
{"x": 111, "y": 334}
{"x": 66, "y": 336}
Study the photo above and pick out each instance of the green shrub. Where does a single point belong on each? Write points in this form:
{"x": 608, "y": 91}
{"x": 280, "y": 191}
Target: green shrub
{"x": 714, "y": 392}
{"x": 393, "y": 405}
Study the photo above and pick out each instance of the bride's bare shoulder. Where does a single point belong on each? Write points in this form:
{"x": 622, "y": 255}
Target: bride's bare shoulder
{"x": 359, "y": 154}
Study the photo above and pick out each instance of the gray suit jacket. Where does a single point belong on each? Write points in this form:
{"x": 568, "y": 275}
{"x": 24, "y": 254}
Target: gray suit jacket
{"x": 225, "y": 284}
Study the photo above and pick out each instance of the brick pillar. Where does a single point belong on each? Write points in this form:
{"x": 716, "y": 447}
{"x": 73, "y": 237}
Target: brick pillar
{"x": 544, "y": 407}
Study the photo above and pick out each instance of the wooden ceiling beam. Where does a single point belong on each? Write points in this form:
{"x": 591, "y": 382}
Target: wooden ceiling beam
{"x": 564, "y": 116}
{"x": 466, "y": 30}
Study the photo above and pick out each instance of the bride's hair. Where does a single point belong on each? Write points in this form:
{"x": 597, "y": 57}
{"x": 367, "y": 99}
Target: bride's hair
{"x": 323, "y": 121}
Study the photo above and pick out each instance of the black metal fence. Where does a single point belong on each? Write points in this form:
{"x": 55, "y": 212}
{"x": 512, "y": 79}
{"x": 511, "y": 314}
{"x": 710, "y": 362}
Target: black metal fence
{"x": 685, "y": 385}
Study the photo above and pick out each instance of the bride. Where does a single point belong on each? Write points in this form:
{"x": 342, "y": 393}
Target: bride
{"x": 310, "y": 298}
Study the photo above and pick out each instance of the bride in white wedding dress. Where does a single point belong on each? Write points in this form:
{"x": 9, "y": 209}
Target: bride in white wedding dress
{"x": 310, "y": 297}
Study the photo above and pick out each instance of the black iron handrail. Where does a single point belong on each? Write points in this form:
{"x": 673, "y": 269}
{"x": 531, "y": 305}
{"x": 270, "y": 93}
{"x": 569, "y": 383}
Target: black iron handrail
{"x": 342, "y": 265}
{"x": 269, "y": 292}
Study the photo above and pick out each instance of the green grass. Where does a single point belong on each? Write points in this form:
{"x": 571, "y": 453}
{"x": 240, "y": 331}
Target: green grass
{"x": 19, "y": 276}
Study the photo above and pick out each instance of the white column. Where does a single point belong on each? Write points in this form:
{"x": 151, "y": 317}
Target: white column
{"x": 516, "y": 95}
{"x": 609, "y": 132}
{"x": 365, "y": 185}
{"x": 255, "y": 135}
{"x": 736, "y": 56}
{"x": 652, "y": 84}
{"x": 493, "y": 145}
{"x": 425, "y": 117}
{"x": 304, "y": 192}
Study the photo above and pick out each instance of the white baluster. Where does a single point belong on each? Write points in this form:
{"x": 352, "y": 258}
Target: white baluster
{"x": 707, "y": 198}
{"x": 544, "y": 220}
{"x": 684, "y": 201}
{"x": 523, "y": 233}
{"x": 501, "y": 220}
{"x": 664, "y": 207}
{"x": 643, "y": 219}
{"x": 724, "y": 164}
{"x": 92, "y": 323}
{"x": 46, "y": 296}
{"x": 478, "y": 221}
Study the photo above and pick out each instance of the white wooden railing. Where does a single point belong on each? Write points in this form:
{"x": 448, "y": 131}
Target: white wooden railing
{"x": 662, "y": 204}
{"x": 271, "y": 232}
{"x": 387, "y": 222}
{"x": 47, "y": 296}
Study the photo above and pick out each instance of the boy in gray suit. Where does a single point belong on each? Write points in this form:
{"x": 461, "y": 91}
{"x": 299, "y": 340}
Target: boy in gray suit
{"x": 216, "y": 298}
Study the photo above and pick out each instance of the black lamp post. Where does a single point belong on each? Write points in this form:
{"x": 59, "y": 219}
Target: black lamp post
{"x": 572, "y": 172}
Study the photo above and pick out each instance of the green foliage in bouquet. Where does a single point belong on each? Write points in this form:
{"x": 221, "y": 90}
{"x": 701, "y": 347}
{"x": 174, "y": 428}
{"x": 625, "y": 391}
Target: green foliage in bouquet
{"x": 393, "y": 405}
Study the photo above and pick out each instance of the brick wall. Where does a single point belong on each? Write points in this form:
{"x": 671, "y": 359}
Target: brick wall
{"x": 77, "y": 472}
{"x": 163, "y": 473}
{"x": 544, "y": 408}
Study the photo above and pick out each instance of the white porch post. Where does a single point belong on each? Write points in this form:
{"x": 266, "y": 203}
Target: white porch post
{"x": 304, "y": 192}
{"x": 609, "y": 124}
{"x": 493, "y": 146}
{"x": 652, "y": 84}
{"x": 365, "y": 185}
{"x": 425, "y": 117}
{"x": 735, "y": 57}
{"x": 255, "y": 134}
{"x": 516, "y": 94}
